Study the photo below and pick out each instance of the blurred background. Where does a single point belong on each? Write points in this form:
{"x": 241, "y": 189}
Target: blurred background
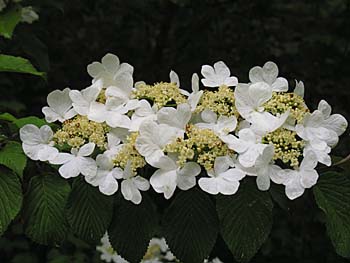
{"x": 309, "y": 40}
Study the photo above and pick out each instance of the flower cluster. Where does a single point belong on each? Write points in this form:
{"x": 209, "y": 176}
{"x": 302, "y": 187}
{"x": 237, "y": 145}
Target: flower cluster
{"x": 157, "y": 252}
{"x": 113, "y": 130}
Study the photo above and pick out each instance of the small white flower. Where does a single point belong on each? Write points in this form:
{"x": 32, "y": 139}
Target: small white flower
{"x": 175, "y": 118}
{"x": 111, "y": 72}
{"x": 77, "y": 162}
{"x": 60, "y": 106}
{"x": 218, "y": 75}
{"x": 223, "y": 179}
{"x": 248, "y": 146}
{"x": 132, "y": 185}
{"x": 249, "y": 103}
{"x": 82, "y": 100}
{"x": 152, "y": 139}
{"x": 170, "y": 175}
{"x": 106, "y": 176}
{"x": 222, "y": 126}
{"x": 37, "y": 143}
{"x": 303, "y": 177}
{"x": 143, "y": 112}
{"x": 268, "y": 74}
{"x": 112, "y": 113}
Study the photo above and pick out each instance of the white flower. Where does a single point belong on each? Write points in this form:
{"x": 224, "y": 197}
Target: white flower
{"x": 60, "y": 106}
{"x": 37, "y": 143}
{"x": 169, "y": 175}
{"x": 107, "y": 252}
{"x": 248, "y": 146}
{"x": 222, "y": 126}
{"x": 111, "y": 72}
{"x": 112, "y": 113}
{"x": 218, "y": 75}
{"x": 265, "y": 170}
{"x": 176, "y": 118}
{"x": 106, "y": 176}
{"x": 303, "y": 177}
{"x": 132, "y": 185}
{"x": 28, "y": 14}
{"x": 152, "y": 139}
{"x": 249, "y": 103}
{"x": 268, "y": 74}
{"x": 77, "y": 162}
{"x": 143, "y": 112}
{"x": 223, "y": 179}
{"x": 82, "y": 100}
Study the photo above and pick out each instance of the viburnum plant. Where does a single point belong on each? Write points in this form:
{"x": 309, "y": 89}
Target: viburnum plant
{"x": 116, "y": 141}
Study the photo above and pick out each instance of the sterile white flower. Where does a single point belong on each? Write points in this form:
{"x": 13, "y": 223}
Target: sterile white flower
{"x": 176, "y": 118}
{"x": 222, "y": 179}
{"x": 248, "y": 146}
{"x": 249, "y": 100}
{"x": 111, "y": 72}
{"x": 37, "y": 143}
{"x": 143, "y": 112}
{"x": 218, "y": 75}
{"x": 132, "y": 185}
{"x": 266, "y": 170}
{"x": 77, "y": 162}
{"x": 60, "y": 106}
{"x": 170, "y": 175}
{"x": 112, "y": 112}
{"x": 106, "y": 176}
{"x": 268, "y": 74}
{"x": 28, "y": 14}
{"x": 152, "y": 139}
{"x": 82, "y": 100}
{"x": 222, "y": 126}
{"x": 301, "y": 178}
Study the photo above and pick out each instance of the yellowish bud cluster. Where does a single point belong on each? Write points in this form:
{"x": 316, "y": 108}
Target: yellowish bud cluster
{"x": 221, "y": 101}
{"x": 281, "y": 102}
{"x": 200, "y": 145}
{"x": 79, "y": 130}
{"x": 129, "y": 153}
{"x": 162, "y": 94}
{"x": 288, "y": 147}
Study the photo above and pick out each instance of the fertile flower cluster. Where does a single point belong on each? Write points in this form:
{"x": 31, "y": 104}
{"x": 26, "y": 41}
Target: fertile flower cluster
{"x": 113, "y": 130}
{"x": 157, "y": 252}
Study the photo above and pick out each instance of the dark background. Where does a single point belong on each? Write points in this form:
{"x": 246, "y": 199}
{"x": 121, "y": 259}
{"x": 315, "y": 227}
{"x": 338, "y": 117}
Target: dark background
{"x": 309, "y": 40}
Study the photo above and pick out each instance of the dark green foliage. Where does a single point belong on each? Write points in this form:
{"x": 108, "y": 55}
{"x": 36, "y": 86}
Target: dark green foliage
{"x": 132, "y": 227}
{"x": 190, "y": 226}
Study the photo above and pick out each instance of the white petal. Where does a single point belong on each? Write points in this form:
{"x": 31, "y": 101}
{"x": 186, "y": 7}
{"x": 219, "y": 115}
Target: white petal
{"x": 69, "y": 169}
{"x": 30, "y": 134}
{"x": 209, "y": 116}
{"x": 195, "y": 83}
{"x": 294, "y": 189}
{"x": 270, "y": 72}
{"x": 130, "y": 192}
{"x": 263, "y": 180}
{"x": 227, "y": 187}
{"x": 325, "y": 108}
{"x": 256, "y": 74}
{"x": 50, "y": 115}
{"x": 111, "y": 62}
{"x": 308, "y": 178}
{"x": 174, "y": 78}
{"x": 299, "y": 88}
{"x": 46, "y": 133}
{"x": 209, "y": 185}
{"x": 108, "y": 185}
{"x": 221, "y": 164}
{"x": 336, "y": 123}
{"x": 222, "y": 70}
{"x": 141, "y": 183}
{"x": 232, "y": 175}
{"x": 259, "y": 93}
{"x": 280, "y": 85}
{"x": 309, "y": 162}
{"x": 86, "y": 149}
{"x": 94, "y": 69}
{"x": 87, "y": 166}
{"x": 62, "y": 158}
{"x": 47, "y": 153}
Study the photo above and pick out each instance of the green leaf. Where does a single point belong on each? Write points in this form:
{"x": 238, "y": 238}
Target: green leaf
{"x": 89, "y": 212}
{"x": 19, "y": 65}
{"x": 12, "y": 156}
{"x": 245, "y": 220}
{"x": 7, "y": 117}
{"x": 44, "y": 209}
{"x": 29, "y": 120}
{"x": 332, "y": 194}
{"x": 8, "y": 21}
{"x": 10, "y": 197}
{"x": 190, "y": 226}
{"x": 132, "y": 227}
